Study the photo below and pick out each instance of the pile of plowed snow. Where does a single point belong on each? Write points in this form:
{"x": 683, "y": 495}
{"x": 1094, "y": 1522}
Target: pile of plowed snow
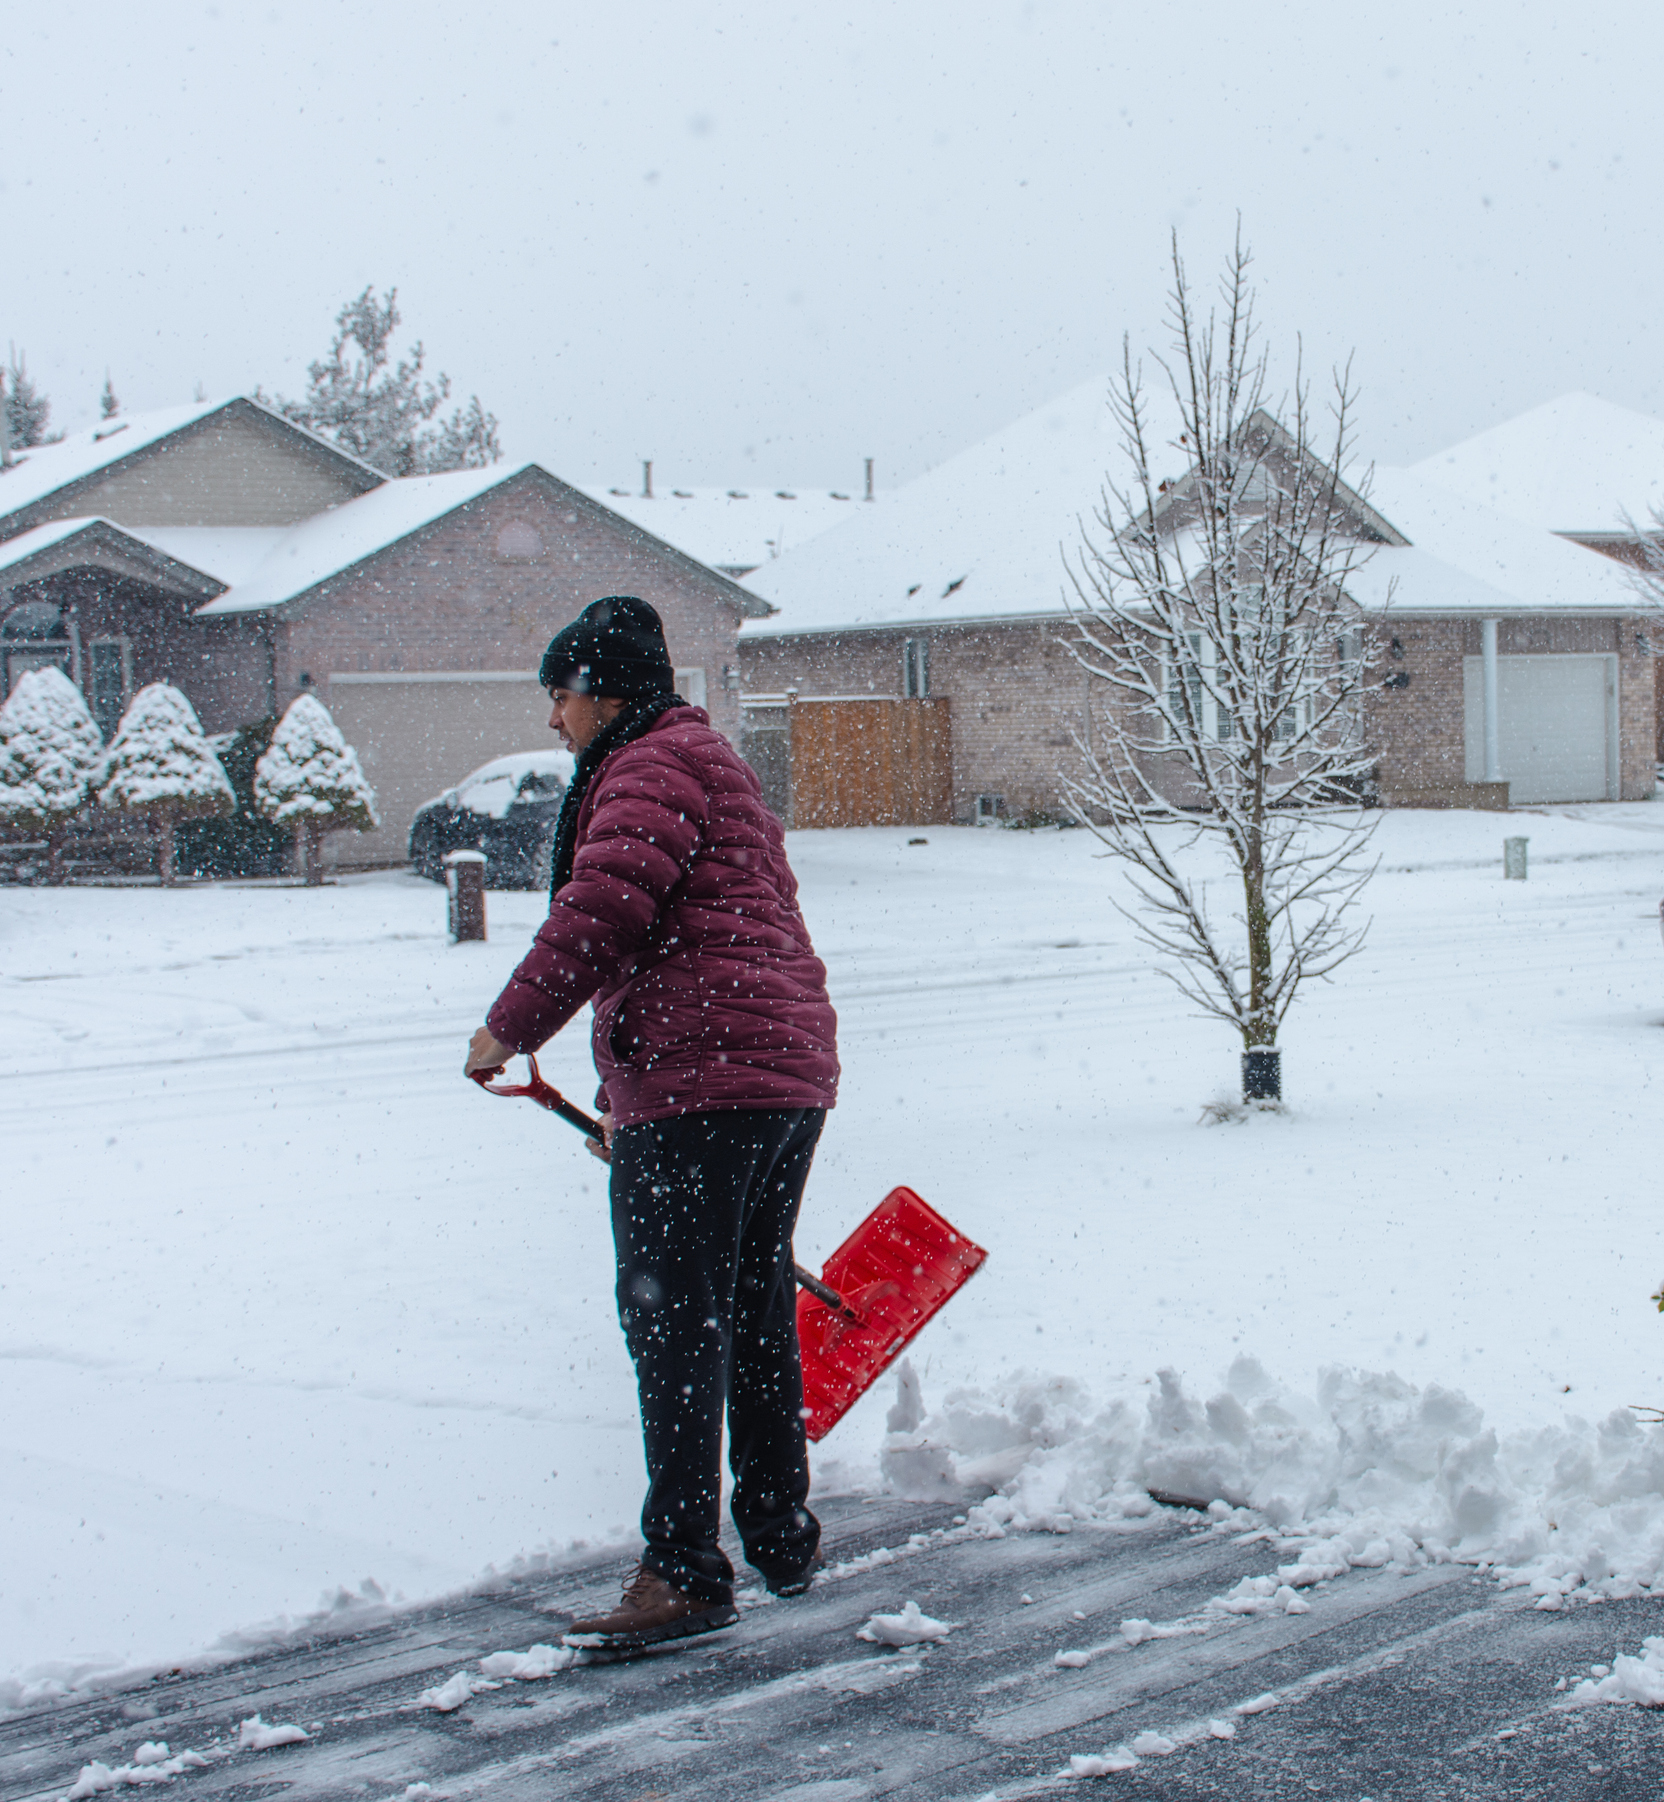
{"x": 1369, "y": 1470}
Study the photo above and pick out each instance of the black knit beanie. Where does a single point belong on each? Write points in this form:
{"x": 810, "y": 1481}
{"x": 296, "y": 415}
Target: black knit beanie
{"x": 614, "y": 647}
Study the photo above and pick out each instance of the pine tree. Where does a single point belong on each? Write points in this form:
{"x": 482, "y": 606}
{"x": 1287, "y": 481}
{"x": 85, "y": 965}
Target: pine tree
{"x": 161, "y": 768}
{"x": 50, "y": 751}
{"x": 387, "y": 416}
{"x": 108, "y": 405}
{"x": 28, "y": 411}
{"x": 310, "y": 778}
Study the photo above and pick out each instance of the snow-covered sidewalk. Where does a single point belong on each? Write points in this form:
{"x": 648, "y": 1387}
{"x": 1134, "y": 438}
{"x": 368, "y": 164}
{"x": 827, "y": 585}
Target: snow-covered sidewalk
{"x": 290, "y": 1308}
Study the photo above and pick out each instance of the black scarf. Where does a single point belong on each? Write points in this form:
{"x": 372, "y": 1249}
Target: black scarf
{"x": 636, "y": 719}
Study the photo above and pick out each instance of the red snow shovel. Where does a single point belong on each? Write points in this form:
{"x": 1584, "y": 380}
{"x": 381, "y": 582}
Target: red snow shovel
{"x": 879, "y": 1289}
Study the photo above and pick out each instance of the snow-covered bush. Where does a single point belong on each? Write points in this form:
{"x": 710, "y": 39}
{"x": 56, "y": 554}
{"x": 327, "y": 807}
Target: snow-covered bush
{"x": 161, "y": 768}
{"x": 50, "y": 752}
{"x": 310, "y": 779}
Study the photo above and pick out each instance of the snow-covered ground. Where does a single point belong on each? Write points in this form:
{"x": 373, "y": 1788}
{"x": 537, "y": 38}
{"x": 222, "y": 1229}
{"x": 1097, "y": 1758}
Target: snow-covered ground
{"x": 288, "y": 1306}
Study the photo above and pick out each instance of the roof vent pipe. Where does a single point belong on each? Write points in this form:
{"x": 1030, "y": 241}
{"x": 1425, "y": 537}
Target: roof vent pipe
{"x": 869, "y": 479}
{"x": 647, "y": 479}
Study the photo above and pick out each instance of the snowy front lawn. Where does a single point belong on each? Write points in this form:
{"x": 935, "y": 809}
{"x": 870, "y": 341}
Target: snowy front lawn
{"x": 290, "y": 1308}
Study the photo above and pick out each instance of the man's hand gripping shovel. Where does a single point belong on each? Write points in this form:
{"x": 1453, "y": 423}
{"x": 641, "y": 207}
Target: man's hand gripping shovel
{"x": 875, "y": 1295}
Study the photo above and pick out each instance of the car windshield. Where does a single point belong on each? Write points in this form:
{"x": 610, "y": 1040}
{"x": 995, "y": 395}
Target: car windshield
{"x": 527, "y": 777}
{"x": 540, "y": 785}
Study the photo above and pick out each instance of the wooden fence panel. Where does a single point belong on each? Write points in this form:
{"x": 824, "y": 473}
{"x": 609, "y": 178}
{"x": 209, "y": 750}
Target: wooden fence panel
{"x": 872, "y": 763}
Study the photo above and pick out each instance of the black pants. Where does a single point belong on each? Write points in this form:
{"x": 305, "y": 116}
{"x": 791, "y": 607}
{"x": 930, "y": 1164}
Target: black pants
{"x": 703, "y": 1208}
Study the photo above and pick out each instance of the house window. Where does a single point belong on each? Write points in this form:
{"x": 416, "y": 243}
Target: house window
{"x": 109, "y": 681}
{"x": 519, "y": 542}
{"x": 915, "y": 668}
{"x": 33, "y": 636}
{"x": 690, "y": 685}
{"x": 1184, "y": 682}
{"x": 990, "y": 809}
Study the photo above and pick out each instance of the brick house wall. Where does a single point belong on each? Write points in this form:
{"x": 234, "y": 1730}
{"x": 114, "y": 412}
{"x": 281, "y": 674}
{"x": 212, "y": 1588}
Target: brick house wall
{"x": 1018, "y": 696}
{"x": 481, "y": 592}
{"x": 487, "y": 587}
{"x": 223, "y": 668}
{"x": 1419, "y": 730}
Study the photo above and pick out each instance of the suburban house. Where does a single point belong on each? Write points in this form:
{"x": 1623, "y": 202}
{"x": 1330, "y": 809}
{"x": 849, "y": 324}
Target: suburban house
{"x": 226, "y": 550}
{"x": 1577, "y": 466}
{"x": 924, "y": 644}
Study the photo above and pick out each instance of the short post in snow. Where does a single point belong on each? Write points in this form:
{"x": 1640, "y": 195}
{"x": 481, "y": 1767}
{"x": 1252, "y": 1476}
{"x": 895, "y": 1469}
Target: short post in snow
{"x": 1513, "y": 858}
{"x": 1262, "y": 1073}
{"x": 465, "y": 892}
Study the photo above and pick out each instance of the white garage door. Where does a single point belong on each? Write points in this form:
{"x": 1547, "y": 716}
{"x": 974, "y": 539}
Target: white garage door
{"x": 419, "y": 735}
{"x": 1557, "y": 726}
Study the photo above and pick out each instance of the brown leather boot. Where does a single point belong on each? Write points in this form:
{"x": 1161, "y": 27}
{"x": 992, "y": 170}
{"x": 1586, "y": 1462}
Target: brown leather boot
{"x": 651, "y": 1611}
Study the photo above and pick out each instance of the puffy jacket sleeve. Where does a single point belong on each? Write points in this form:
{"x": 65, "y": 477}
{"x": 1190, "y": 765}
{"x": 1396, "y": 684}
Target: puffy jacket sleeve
{"x": 647, "y": 815}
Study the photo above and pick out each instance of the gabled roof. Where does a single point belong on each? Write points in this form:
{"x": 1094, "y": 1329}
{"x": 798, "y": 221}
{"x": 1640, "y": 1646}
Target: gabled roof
{"x": 230, "y": 553}
{"x": 1466, "y": 558}
{"x": 1577, "y": 464}
{"x": 983, "y": 537}
{"x": 1277, "y": 446}
{"x": 77, "y": 543}
{"x": 97, "y": 451}
{"x": 306, "y": 557}
{"x": 980, "y": 536}
{"x": 731, "y": 529}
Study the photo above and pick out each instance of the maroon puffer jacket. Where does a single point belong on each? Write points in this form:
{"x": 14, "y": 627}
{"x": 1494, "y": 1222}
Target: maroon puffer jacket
{"x": 681, "y": 920}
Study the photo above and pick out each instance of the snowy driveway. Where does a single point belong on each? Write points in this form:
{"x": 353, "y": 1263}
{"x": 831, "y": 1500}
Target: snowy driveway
{"x": 288, "y": 1306}
{"x": 1383, "y": 1685}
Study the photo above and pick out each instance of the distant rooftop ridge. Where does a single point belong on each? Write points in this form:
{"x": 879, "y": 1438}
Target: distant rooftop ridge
{"x": 735, "y": 529}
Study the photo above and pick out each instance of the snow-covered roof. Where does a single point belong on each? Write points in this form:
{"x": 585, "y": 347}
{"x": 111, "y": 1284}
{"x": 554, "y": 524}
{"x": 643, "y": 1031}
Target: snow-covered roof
{"x": 983, "y": 536}
{"x": 303, "y": 556}
{"x": 28, "y": 545}
{"x": 169, "y": 565}
{"x": 263, "y": 567}
{"x": 228, "y": 553}
{"x": 37, "y": 473}
{"x": 1464, "y": 557}
{"x": 732, "y": 529}
{"x": 1576, "y": 464}
{"x": 978, "y": 537}
{"x": 307, "y": 554}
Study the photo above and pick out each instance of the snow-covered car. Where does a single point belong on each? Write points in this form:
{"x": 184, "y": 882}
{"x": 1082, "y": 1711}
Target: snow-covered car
{"x": 507, "y": 808}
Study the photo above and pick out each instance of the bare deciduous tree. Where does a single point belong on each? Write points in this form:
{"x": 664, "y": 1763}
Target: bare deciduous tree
{"x": 1228, "y": 669}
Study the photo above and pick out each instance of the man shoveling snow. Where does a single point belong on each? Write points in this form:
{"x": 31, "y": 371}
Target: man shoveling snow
{"x": 673, "y": 908}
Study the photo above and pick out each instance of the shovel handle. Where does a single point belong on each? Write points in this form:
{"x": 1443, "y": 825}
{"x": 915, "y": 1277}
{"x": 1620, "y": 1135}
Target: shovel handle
{"x": 826, "y": 1293}
{"x": 546, "y": 1096}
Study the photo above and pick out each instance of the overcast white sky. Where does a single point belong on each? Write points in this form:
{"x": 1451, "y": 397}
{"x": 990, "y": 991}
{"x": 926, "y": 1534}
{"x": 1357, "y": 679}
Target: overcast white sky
{"x": 762, "y": 240}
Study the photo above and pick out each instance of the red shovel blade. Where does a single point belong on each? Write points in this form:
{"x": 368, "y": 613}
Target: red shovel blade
{"x": 898, "y": 1269}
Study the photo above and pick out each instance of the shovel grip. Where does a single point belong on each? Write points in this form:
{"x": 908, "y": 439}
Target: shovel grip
{"x": 545, "y": 1096}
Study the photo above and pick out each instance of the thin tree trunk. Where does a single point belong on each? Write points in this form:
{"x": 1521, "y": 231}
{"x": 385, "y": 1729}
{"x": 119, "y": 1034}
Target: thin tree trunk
{"x": 311, "y": 842}
{"x": 164, "y": 850}
{"x": 55, "y": 855}
{"x": 1259, "y": 1028}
